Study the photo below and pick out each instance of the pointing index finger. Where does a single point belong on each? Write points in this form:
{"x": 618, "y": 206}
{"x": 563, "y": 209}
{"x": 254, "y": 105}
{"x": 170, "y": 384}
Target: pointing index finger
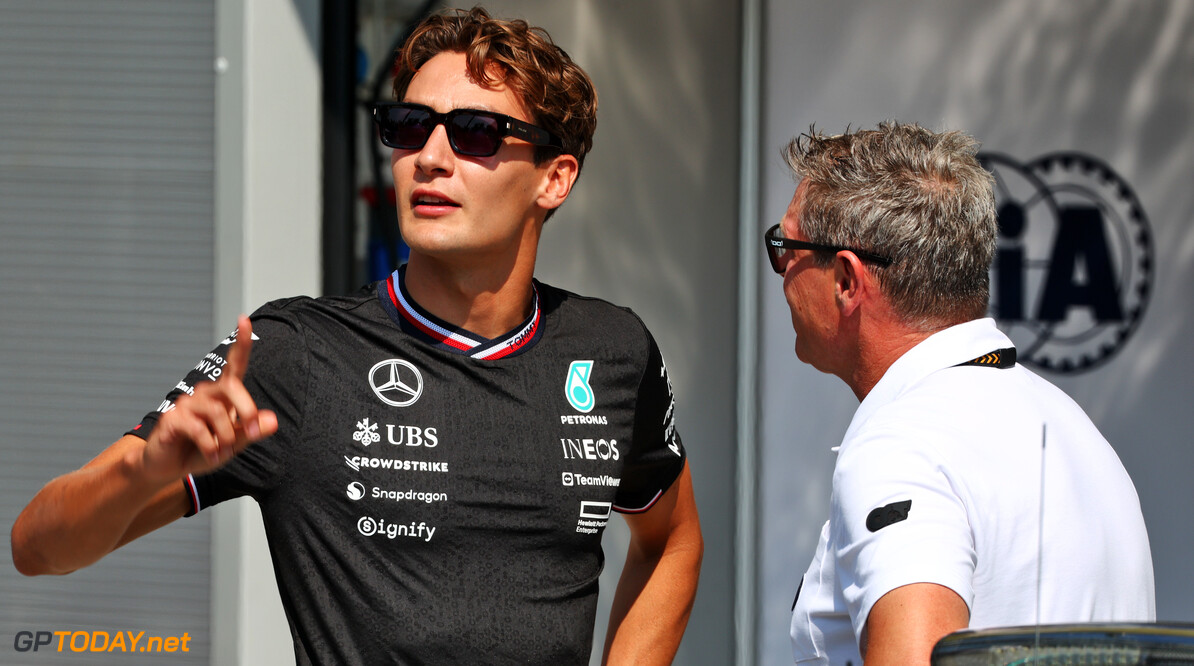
{"x": 238, "y": 356}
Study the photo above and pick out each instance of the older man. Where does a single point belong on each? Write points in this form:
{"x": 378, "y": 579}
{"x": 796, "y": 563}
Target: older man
{"x": 938, "y": 520}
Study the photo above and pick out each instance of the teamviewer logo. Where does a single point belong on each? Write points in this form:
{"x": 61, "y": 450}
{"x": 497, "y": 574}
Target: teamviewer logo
{"x": 568, "y": 480}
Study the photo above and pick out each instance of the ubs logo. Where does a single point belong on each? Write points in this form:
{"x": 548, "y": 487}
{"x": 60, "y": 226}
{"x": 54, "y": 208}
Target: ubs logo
{"x": 1074, "y": 267}
{"x": 396, "y": 382}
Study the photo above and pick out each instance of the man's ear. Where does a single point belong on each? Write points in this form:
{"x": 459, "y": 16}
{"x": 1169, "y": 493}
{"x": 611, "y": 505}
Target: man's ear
{"x": 560, "y": 173}
{"x": 853, "y": 282}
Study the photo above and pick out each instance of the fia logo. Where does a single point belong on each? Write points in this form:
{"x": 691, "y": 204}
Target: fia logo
{"x": 577, "y": 389}
{"x": 1073, "y": 270}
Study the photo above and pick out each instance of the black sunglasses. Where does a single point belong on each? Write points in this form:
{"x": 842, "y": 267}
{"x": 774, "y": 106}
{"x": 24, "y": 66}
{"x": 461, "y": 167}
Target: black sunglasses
{"x": 470, "y": 132}
{"x": 777, "y": 245}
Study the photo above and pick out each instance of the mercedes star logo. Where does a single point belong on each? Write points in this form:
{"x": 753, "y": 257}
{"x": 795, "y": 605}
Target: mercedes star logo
{"x": 396, "y": 382}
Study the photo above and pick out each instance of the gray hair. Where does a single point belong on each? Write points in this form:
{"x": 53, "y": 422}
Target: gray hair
{"x": 917, "y": 197}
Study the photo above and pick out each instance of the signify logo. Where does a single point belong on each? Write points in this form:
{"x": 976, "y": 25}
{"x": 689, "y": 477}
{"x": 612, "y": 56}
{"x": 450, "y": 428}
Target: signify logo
{"x": 369, "y": 526}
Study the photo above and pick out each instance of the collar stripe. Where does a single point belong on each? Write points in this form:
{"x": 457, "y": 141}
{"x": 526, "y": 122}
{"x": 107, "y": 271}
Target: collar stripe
{"x": 429, "y": 327}
{"x": 516, "y": 341}
{"x": 479, "y": 349}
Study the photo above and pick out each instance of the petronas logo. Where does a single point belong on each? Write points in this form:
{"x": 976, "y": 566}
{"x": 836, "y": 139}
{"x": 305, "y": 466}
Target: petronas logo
{"x": 577, "y": 389}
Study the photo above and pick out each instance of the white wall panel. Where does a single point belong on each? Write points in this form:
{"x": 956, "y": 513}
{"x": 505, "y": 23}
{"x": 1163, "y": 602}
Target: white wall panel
{"x": 1110, "y": 80}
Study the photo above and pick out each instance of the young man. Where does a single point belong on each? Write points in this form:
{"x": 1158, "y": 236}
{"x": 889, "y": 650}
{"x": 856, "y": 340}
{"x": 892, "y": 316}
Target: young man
{"x": 936, "y": 516}
{"x": 436, "y": 459}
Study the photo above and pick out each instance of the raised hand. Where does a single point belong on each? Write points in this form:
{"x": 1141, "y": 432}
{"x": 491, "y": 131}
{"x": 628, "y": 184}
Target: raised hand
{"x": 206, "y": 429}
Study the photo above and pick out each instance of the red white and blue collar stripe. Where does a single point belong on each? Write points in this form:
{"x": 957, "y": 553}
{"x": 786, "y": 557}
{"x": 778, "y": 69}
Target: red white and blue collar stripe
{"x": 415, "y": 320}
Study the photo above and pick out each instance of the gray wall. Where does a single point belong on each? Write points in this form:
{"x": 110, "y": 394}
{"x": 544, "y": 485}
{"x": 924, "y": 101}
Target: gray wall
{"x": 106, "y": 173}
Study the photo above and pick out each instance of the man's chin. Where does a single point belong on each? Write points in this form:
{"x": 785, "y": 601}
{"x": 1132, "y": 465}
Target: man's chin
{"x": 808, "y": 358}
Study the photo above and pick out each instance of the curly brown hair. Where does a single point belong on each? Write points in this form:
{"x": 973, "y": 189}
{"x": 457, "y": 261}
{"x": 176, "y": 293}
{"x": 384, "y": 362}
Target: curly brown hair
{"x": 557, "y": 92}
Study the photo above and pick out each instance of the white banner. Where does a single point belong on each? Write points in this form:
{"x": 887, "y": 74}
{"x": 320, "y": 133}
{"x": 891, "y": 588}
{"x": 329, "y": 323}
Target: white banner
{"x": 1084, "y": 110}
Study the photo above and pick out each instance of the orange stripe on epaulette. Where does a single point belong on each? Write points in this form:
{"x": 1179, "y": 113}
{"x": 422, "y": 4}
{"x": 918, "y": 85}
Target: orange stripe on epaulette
{"x": 1000, "y": 358}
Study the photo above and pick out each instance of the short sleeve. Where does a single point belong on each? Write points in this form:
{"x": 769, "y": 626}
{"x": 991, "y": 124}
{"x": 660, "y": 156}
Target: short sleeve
{"x": 276, "y": 379}
{"x": 898, "y": 521}
{"x": 657, "y": 455}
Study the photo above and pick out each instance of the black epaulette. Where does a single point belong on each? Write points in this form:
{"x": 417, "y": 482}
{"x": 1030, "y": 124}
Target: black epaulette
{"x": 1000, "y": 358}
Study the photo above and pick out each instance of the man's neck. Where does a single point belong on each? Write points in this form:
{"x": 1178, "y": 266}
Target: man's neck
{"x": 882, "y": 340}
{"x": 879, "y": 355}
{"x": 488, "y": 300}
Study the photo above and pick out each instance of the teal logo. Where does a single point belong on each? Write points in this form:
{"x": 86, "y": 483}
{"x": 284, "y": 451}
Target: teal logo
{"x": 577, "y": 389}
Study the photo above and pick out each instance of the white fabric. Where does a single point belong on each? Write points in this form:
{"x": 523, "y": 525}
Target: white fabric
{"x": 964, "y": 445}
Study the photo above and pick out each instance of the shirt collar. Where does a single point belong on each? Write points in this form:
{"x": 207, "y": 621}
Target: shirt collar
{"x": 413, "y": 319}
{"x": 943, "y": 349}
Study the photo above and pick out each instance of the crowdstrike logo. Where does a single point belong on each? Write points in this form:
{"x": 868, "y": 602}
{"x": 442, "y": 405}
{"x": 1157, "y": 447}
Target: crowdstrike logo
{"x": 396, "y": 382}
{"x": 577, "y": 389}
{"x": 357, "y": 463}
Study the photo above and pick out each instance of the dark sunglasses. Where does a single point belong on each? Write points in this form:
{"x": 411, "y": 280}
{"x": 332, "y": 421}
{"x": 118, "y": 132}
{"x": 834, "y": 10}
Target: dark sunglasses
{"x": 777, "y": 246}
{"x": 470, "y": 132}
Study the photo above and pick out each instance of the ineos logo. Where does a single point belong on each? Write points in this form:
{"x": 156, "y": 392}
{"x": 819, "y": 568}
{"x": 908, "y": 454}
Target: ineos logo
{"x": 396, "y": 382}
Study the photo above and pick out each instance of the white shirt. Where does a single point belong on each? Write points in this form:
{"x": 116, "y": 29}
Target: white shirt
{"x": 956, "y": 455}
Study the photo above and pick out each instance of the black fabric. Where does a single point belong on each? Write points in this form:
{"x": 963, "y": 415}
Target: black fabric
{"x": 889, "y": 514}
{"x": 1000, "y": 358}
{"x": 486, "y": 497}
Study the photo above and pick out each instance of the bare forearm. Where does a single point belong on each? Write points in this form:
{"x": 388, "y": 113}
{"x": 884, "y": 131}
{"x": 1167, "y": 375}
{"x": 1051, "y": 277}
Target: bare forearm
{"x": 659, "y": 580}
{"x": 133, "y": 487}
{"x": 79, "y": 517}
{"x": 907, "y": 622}
{"x": 652, "y": 604}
